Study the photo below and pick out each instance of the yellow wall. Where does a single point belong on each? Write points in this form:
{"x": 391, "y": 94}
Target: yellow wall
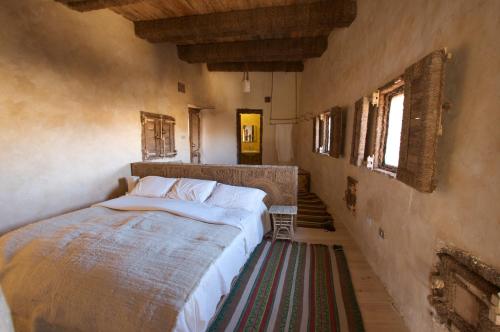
{"x": 251, "y": 120}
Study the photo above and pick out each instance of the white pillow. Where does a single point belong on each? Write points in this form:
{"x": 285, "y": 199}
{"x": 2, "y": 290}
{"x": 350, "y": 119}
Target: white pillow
{"x": 192, "y": 190}
{"x": 233, "y": 197}
{"x": 153, "y": 186}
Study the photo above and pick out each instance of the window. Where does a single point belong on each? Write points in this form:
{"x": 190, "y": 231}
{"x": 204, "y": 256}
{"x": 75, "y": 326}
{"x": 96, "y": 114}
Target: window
{"x": 158, "y": 136}
{"x": 398, "y": 125}
{"x": 328, "y": 132}
{"x": 389, "y": 123}
{"x": 377, "y": 128}
{"x": 395, "y": 121}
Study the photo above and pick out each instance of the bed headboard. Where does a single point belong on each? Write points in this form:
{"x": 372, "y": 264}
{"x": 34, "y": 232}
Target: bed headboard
{"x": 279, "y": 182}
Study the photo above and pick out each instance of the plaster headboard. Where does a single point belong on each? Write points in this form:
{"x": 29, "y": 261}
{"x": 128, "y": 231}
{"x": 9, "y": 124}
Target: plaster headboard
{"x": 279, "y": 182}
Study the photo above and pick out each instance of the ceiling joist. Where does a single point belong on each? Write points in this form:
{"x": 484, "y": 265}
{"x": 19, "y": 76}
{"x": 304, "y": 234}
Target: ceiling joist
{"x": 277, "y": 66}
{"x": 88, "y": 5}
{"x": 230, "y": 35}
{"x": 294, "y": 21}
{"x": 293, "y": 49}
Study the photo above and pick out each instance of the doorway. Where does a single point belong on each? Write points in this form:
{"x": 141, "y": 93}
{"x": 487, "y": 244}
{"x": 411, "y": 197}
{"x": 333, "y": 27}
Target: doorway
{"x": 194, "y": 135}
{"x": 249, "y": 131}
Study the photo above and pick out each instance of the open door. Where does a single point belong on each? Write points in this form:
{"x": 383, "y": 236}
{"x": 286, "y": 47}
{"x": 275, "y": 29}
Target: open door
{"x": 249, "y": 132}
{"x": 194, "y": 135}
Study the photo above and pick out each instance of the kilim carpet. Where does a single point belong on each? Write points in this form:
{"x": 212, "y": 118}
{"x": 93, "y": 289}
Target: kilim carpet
{"x": 312, "y": 212}
{"x": 292, "y": 287}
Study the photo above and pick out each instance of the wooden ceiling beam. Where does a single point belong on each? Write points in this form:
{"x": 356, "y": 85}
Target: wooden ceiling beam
{"x": 294, "y": 21}
{"x": 88, "y": 5}
{"x": 277, "y": 66}
{"x": 292, "y": 49}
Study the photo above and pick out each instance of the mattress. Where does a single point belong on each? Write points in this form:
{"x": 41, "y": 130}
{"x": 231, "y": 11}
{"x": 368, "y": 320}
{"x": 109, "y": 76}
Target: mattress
{"x": 209, "y": 246}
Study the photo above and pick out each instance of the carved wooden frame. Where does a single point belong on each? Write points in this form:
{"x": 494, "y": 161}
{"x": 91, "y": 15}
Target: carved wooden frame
{"x": 459, "y": 270}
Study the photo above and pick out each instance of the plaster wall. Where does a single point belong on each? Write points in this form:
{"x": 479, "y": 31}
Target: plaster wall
{"x": 386, "y": 37}
{"x": 71, "y": 89}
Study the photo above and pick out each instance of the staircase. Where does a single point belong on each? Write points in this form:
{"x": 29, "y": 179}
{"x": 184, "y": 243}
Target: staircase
{"x": 312, "y": 212}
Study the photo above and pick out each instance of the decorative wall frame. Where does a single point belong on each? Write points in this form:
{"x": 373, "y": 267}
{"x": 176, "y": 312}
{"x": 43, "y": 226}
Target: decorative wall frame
{"x": 350, "y": 194}
{"x": 465, "y": 292}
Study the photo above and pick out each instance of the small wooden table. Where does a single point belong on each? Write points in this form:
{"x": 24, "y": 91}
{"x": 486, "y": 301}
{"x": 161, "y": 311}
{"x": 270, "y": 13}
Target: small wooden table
{"x": 283, "y": 218}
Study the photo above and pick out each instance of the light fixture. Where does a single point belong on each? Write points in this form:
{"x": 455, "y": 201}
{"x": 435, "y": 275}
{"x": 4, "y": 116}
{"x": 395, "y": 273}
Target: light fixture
{"x": 246, "y": 82}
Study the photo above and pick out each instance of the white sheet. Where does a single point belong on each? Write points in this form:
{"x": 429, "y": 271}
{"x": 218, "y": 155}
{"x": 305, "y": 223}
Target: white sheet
{"x": 201, "y": 306}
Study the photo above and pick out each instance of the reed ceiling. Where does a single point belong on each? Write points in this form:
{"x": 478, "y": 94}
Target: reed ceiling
{"x": 235, "y": 35}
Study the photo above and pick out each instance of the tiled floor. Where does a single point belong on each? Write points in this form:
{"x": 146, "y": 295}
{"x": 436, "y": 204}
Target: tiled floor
{"x": 377, "y": 310}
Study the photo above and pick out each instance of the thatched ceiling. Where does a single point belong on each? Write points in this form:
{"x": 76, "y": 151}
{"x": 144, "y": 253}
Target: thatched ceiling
{"x": 235, "y": 35}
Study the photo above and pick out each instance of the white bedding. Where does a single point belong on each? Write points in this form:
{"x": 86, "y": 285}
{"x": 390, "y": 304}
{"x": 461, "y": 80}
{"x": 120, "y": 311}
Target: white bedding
{"x": 202, "y": 304}
{"x": 194, "y": 313}
{"x": 216, "y": 283}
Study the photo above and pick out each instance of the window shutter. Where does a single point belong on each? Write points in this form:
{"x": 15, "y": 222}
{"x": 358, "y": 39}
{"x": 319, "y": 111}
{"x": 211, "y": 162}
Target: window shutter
{"x": 158, "y": 139}
{"x": 359, "y": 130}
{"x": 150, "y": 141}
{"x": 338, "y": 117}
{"x": 169, "y": 137}
{"x": 421, "y": 122}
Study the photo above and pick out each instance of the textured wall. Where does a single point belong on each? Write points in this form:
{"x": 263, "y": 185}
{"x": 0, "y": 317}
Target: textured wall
{"x": 219, "y": 125}
{"x": 71, "y": 89}
{"x": 386, "y": 37}
{"x": 72, "y": 86}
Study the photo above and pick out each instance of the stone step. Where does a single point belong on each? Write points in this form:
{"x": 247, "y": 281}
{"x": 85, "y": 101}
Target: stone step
{"x": 314, "y": 218}
{"x": 314, "y": 212}
{"x": 314, "y": 206}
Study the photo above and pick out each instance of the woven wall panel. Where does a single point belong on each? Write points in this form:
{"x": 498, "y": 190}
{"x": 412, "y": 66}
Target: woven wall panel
{"x": 421, "y": 122}
{"x": 279, "y": 182}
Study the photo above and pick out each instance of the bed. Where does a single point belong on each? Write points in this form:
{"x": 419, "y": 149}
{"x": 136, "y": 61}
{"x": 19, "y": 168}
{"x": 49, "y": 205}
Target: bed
{"x": 138, "y": 263}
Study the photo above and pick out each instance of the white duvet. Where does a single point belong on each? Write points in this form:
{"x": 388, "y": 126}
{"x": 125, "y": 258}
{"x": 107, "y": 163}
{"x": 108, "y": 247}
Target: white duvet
{"x": 42, "y": 292}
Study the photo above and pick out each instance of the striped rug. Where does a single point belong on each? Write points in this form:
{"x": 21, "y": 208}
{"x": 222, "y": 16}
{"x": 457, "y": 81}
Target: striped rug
{"x": 292, "y": 287}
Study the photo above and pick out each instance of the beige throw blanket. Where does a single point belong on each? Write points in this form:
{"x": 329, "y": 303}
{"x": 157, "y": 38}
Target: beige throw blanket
{"x": 102, "y": 270}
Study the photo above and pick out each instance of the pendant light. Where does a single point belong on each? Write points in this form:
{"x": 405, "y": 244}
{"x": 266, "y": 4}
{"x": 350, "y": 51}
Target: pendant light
{"x": 246, "y": 82}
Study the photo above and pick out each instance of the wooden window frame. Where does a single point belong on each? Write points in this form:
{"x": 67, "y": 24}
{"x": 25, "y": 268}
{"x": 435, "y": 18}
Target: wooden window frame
{"x": 422, "y": 85}
{"x": 322, "y": 133}
{"x": 162, "y": 152}
{"x": 337, "y": 131}
{"x": 385, "y": 94}
{"x": 360, "y": 131}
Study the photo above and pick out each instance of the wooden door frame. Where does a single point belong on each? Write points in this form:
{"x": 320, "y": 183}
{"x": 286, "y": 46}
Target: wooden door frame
{"x": 192, "y": 110}
{"x": 240, "y": 111}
